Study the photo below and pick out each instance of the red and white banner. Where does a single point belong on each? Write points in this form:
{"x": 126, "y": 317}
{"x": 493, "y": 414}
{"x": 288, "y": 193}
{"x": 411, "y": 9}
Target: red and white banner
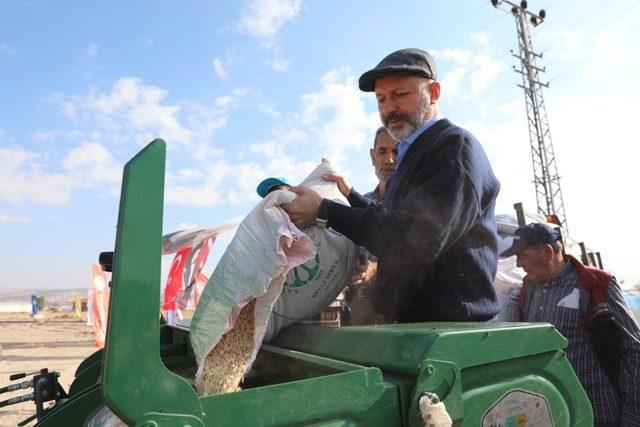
{"x": 186, "y": 280}
{"x": 100, "y": 306}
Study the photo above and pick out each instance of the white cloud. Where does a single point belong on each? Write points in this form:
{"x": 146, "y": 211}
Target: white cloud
{"x": 91, "y": 51}
{"x": 188, "y": 174}
{"x": 131, "y": 107}
{"x": 280, "y": 64}
{"x": 337, "y": 116}
{"x": 90, "y": 164}
{"x": 6, "y": 217}
{"x": 486, "y": 71}
{"x": 41, "y": 136}
{"x": 23, "y": 180}
{"x": 27, "y": 177}
{"x": 133, "y": 111}
{"x": 462, "y": 57}
{"x": 264, "y": 18}
{"x": 223, "y": 101}
{"x": 473, "y": 70}
{"x": 480, "y": 38}
{"x": 5, "y": 48}
{"x": 147, "y": 40}
{"x": 218, "y": 67}
{"x": 451, "y": 81}
{"x": 269, "y": 110}
{"x": 216, "y": 184}
{"x": 269, "y": 148}
{"x": 206, "y": 151}
{"x": 294, "y": 169}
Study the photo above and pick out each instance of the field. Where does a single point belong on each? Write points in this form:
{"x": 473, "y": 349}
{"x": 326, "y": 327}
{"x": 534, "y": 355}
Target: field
{"x": 59, "y": 342}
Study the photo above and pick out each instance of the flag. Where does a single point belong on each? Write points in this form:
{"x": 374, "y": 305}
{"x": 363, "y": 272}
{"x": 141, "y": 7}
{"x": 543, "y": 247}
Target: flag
{"x": 186, "y": 281}
{"x": 100, "y": 304}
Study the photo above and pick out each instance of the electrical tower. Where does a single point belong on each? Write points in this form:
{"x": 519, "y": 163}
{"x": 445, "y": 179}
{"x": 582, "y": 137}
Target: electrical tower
{"x": 545, "y": 171}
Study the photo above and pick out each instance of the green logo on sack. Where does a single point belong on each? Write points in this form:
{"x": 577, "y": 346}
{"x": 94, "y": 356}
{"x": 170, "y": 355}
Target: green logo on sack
{"x": 304, "y": 273}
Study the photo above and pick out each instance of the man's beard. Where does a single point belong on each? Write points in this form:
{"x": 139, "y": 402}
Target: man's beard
{"x": 383, "y": 175}
{"x": 412, "y": 123}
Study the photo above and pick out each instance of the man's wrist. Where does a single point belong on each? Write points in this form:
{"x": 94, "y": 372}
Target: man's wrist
{"x": 322, "y": 214}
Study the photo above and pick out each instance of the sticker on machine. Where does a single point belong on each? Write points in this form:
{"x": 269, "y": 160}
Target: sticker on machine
{"x": 519, "y": 408}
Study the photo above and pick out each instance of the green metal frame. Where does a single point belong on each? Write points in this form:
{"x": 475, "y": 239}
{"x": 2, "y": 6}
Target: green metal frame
{"x": 135, "y": 382}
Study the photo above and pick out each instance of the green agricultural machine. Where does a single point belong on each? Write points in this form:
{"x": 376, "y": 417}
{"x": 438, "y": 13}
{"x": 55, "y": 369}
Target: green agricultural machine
{"x": 486, "y": 374}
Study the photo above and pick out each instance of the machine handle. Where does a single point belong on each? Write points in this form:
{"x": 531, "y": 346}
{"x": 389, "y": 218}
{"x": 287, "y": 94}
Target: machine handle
{"x": 14, "y": 377}
{"x": 12, "y": 387}
{"x": 18, "y": 399}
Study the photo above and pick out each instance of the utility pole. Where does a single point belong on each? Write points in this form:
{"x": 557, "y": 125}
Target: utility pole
{"x": 545, "y": 171}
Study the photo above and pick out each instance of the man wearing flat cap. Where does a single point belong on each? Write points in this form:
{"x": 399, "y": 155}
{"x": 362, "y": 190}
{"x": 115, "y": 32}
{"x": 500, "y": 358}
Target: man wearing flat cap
{"x": 435, "y": 232}
{"x": 585, "y": 305}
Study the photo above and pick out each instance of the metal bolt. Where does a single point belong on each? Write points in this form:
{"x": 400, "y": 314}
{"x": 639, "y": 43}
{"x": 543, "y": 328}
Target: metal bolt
{"x": 430, "y": 369}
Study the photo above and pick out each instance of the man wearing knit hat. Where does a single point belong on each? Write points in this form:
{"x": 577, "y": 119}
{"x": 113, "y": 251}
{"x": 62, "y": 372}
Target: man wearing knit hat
{"x": 435, "y": 233}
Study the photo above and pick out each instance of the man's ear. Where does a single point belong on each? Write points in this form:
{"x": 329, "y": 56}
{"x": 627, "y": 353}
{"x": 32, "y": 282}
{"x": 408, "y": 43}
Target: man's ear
{"x": 434, "y": 91}
{"x": 372, "y": 153}
{"x": 548, "y": 252}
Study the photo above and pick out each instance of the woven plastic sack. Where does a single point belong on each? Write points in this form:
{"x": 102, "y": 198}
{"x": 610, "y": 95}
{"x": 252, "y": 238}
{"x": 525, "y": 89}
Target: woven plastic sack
{"x": 311, "y": 287}
{"x": 265, "y": 248}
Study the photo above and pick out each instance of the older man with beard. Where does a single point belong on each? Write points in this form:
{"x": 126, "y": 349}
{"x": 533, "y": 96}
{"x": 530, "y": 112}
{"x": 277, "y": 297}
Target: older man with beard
{"x": 358, "y": 294}
{"x": 435, "y": 232}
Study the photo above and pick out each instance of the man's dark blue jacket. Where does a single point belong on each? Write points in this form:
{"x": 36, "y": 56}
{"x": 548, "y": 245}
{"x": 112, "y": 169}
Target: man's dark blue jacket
{"x": 435, "y": 234}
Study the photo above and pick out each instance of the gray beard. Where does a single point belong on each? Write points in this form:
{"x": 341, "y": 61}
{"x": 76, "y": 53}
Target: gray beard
{"x": 382, "y": 178}
{"x": 414, "y": 122}
{"x": 403, "y": 132}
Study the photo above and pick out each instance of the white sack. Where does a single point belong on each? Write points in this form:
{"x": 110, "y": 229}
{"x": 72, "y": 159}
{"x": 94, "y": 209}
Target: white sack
{"x": 507, "y": 283}
{"x": 265, "y": 248}
{"x": 509, "y": 277}
{"x": 311, "y": 287}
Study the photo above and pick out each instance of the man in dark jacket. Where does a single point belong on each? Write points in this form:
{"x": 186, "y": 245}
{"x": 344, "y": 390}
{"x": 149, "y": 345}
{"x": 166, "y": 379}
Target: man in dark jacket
{"x": 435, "y": 232}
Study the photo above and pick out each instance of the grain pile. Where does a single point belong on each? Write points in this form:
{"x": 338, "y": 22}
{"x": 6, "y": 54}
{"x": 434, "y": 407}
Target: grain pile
{"x": 225, "y": 365}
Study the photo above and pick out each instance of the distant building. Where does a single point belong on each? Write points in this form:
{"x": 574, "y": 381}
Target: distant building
{"x": 15, "y": 307}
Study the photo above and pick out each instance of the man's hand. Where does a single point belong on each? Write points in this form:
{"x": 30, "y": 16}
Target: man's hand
{"x": 365, "y": 271}
{"x": 302, "y": 211}
{"x": 343, "y": 184}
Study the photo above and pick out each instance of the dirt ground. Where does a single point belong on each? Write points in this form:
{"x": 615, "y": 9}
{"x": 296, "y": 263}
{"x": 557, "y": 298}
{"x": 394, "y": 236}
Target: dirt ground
{"x": 59, "y": 342}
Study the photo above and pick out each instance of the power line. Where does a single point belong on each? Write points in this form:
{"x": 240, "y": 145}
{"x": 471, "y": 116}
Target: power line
{"x": 555, "y": 15}
{"x": 441, "y": 31}
{"x": 557, "y": 42}
{"x": 567, "y": 70}
{"x": 483, "y": 28}
{"x": 615, "y": 18}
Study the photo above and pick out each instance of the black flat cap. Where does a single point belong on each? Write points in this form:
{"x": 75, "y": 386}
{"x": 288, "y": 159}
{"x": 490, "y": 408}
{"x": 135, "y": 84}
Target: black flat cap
{"x": 408, "y": 62}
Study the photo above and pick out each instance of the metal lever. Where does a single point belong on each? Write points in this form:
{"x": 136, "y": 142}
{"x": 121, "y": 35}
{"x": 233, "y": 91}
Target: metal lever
{"x": 20, "y": 386}
{"x": 18, "y": 399}
{"x": 14, "y": 377}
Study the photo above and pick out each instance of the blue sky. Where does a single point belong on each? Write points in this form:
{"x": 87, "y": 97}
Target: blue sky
{"x": 244, "y": 90}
